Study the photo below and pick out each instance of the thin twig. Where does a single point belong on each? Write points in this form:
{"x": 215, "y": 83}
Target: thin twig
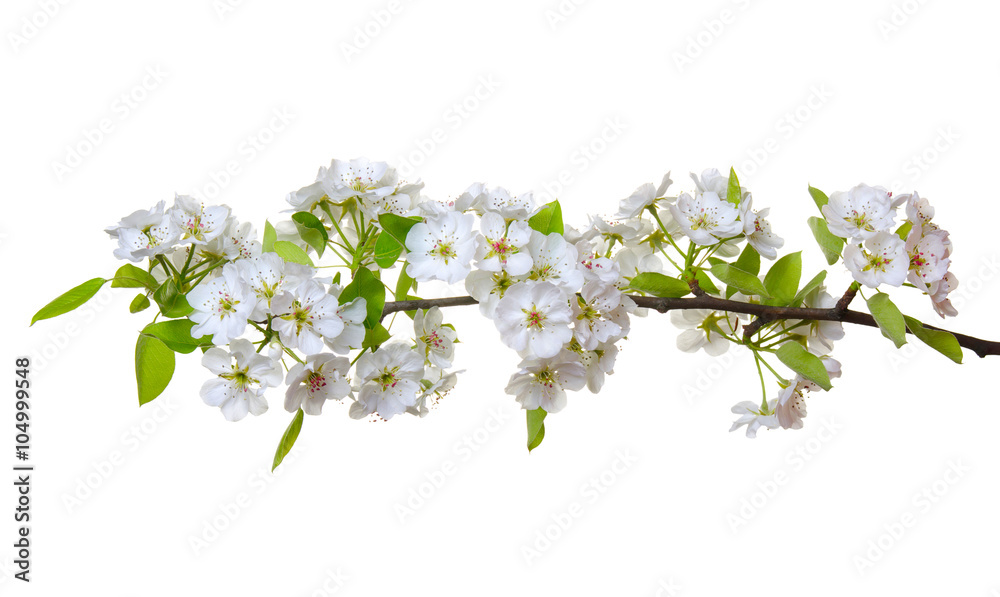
{"x": 982, "y": 348}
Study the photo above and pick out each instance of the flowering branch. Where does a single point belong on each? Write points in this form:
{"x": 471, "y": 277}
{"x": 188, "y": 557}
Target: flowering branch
{"x": 265, "y": 314}
{"x": 765, "y": 314}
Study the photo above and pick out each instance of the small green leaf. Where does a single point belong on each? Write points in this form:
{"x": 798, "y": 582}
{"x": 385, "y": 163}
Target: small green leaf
{"x": 154, "y": 366}
{"x": 536, "y": 427}
{"x": 311, "y": 230}
{"x": 176, "y": 334}
{"x": 819, "y": 197}
{"x": 811, "y": 285}
{"x": 888, "y": 318}
{"x": 404, "y": 284}
{"x": 904, "y": 230}
{"x": 375, "y": 337}
{"x": 139, "y": 303}
{"x": 659, "y": 285}
{"x": 292, "y": 253}
{"x": 172, "y": 303}
{"x": 749, "y": 260}
{"x": 804, "y": 363}
{"x": 288, "y": 439}
{"x": 69, "y": 300}
{"x": 270, "y": 236}
{"x": 830, "y": 244}
{"x": 130, "y": 276}
{"x": 387, "y": 250}
{"x": 367, "y": 286}
{"x": 704, "y": 282}
{"x": 397, "y": 226}
{"x": 782, "y": 280}
{"x": 733, "y": 193}
{"x": 734, "y": 277}
{"x": 940, "y": 340}
{"x": 548, "y": 219}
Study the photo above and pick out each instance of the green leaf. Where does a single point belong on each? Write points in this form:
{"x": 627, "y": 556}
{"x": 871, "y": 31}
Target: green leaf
{"x": 940, "y": 340}
{"x": 154, "y": 366}
{"x": 288, "y": 439}
{"x": 139, "y": 303}
{"x": 536, "y": 427}
{"x": 659, "y": 285}
{"x": 782, "y": 280}
{"x": 819, "y": 197}
{"x": 367, "y": 286}
{"x": 397, "y": 226}
{"x": 387, "y": 250}
{"x": 311, "y": 230}
{"x": 888, "y": 318}
{"x": 375, "y": 337}
{"x": 733, "y": 193}
{"x": 69, "y": 300}
{"x": 831, "y": 245}
{"x": 172, "y": 303}
{"x": 904, "y": 230}
{"x": 176, "y": 334}
{"x": 811, "y": 285}
{"x": 404, "y": 284}
{"x": 734, "y": 277}
{"x": 130, "y": 276}
{"x": 292, "y": 253}
{"x": 804, "y": 363}
{"x": 749, "y": 260}
{"x": 270, "y": 236}
{"x": 704, "y": 282}
{"x": 548, "y": 219}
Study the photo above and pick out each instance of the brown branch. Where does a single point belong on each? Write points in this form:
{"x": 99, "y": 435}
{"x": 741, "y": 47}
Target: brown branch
{"x": 981, "y": 347}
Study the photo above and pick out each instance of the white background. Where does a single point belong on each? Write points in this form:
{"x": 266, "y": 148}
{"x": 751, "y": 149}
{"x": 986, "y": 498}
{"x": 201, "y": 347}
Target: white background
{"x": 792, "y": 93}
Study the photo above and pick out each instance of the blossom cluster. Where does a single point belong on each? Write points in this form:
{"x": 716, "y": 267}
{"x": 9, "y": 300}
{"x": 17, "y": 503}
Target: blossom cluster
{"x": 560, "y": 297}
{"x": 919, "y": 252}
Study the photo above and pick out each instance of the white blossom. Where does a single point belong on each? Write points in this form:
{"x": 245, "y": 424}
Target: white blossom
{"x": 706, "y": 218}
{"x": 305, "y": 317}
{"x": 269, "y": 275}
{"x": 441, "y": 248}
{"x": 390, "y": 381}
{"x": 242, "y": 375}
{"x": 758, "y": 230}
{"x": 323, "y": 377}
{"x": 859, "y": 213}
{"x": 534, "y": 317}
{"x": 554, "y": 260}
{"x": 501, "y": 245}
{"x": 754, "y": 418}
{"x": 702, "y": 329}
{"x": 882, "y": 260}
{"x": 197, "y": 223}
{"x": 145, "y": 233}
{"x": 542, "y": 382}
{"x": 435, "y": 340}
{"x": 221, "y": 306}
{"x": 644, "y": 196}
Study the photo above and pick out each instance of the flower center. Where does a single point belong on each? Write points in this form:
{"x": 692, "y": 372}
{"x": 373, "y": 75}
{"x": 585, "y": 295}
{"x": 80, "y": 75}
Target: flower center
{"x": 316, "y": 381}
{"x": 433, "y": 340}
{"x": 500, "y": 248}
{"x": 226, "y": 305}
{"x": 547, "y": 377}
{"x": 388, "y": 378}
{"x": 443, "y": 250}
{"x": 534, "y": 317}
{"x": 860, "y": 220}
{"x": 240, "y": 378}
